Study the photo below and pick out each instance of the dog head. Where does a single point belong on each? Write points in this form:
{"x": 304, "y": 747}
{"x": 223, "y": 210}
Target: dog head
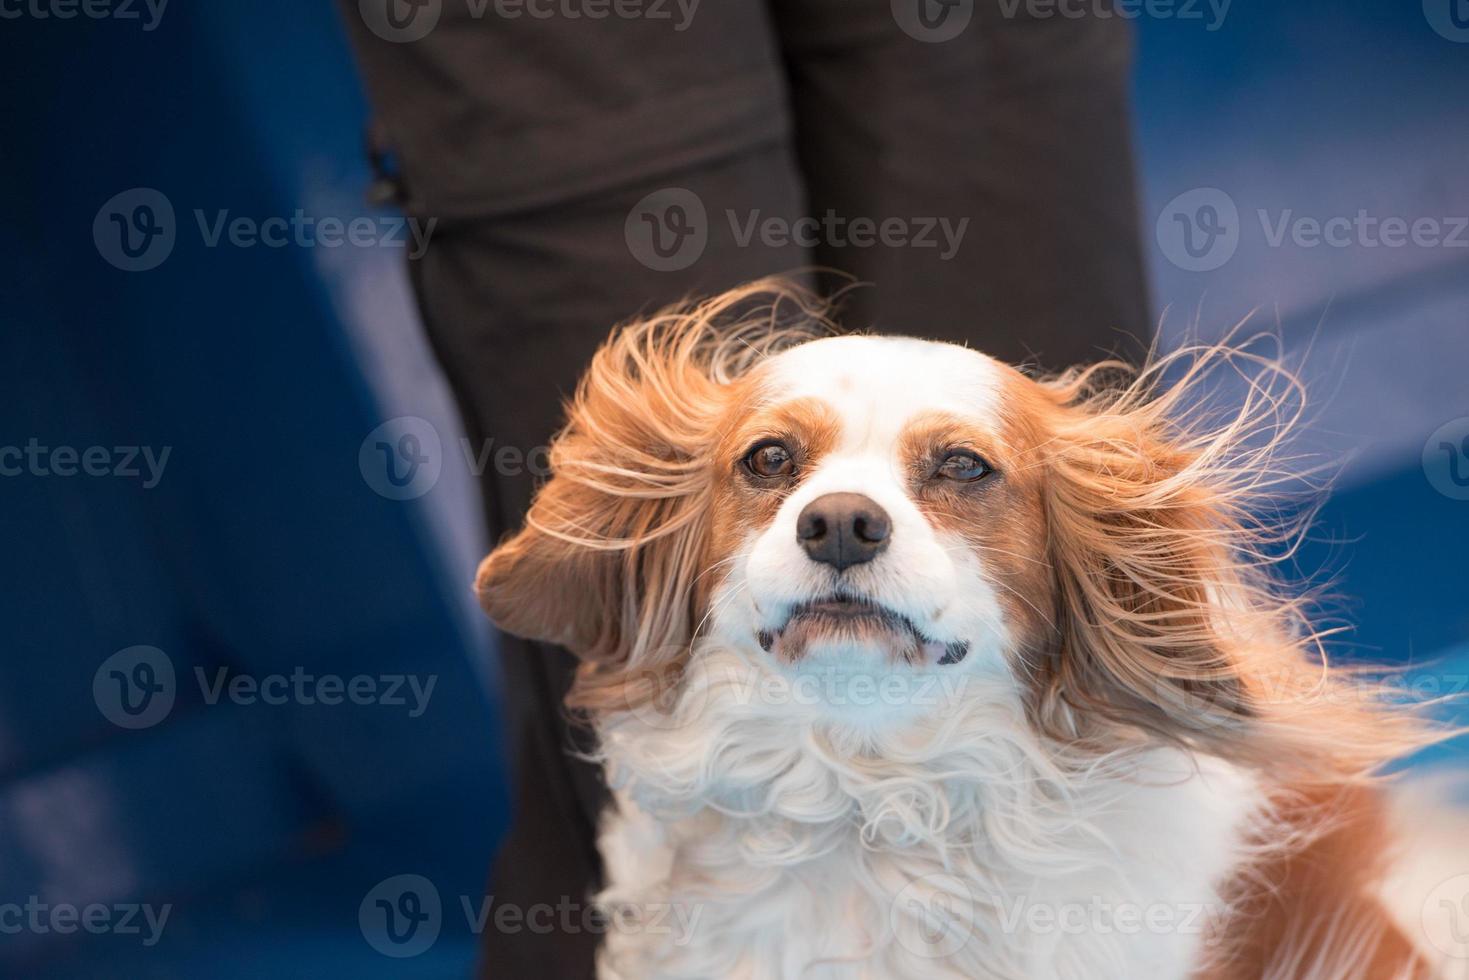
{"x": 727, "y": 474}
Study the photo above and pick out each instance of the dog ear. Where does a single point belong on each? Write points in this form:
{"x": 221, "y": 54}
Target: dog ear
{"x": 609, "y": 561}
{"x": 1168, "y": 509}
{"x": 538, "y": 585}
{"x": 605, "y": 564}
{"x": 1161, "y": 609}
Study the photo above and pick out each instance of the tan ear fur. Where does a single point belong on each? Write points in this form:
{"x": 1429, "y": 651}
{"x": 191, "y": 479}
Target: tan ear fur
{"x": 609, "y": 561}
{"x": 1165, "y": 536}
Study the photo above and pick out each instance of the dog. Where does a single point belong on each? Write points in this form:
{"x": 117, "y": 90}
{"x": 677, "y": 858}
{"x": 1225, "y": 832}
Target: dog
{"x": 903, "y": 662}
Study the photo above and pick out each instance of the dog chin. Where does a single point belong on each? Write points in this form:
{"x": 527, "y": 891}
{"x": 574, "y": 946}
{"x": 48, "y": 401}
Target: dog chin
{"x": 848, "y": 631}
{"x": 812, "y": 643}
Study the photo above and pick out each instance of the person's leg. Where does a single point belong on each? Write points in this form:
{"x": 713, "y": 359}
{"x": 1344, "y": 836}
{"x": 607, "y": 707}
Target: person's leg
{"x": 533, "y": 143}
{"x": 1018, "y": 125}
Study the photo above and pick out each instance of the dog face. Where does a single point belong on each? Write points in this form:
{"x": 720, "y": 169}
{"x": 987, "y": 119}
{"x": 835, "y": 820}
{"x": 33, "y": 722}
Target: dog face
{"x": 875, "y": 505}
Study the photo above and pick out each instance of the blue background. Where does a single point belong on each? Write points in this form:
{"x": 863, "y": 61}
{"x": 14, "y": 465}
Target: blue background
{"x": 264, "y": 548}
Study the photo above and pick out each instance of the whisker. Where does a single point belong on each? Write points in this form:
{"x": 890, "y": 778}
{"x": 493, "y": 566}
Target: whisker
{"x": 715, "y": 607}
{"x": 1000, "y": 551}
{"x": 1016, "y": 593}
{"x": 723, "y": 561}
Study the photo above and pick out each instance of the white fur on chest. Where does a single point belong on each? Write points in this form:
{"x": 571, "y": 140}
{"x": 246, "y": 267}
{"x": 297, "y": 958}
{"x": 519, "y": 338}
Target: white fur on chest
{"x": 758, "y": 835}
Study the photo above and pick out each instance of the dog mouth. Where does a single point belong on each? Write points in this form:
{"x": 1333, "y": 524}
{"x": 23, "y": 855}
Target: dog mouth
{"x": 857, "y": 621}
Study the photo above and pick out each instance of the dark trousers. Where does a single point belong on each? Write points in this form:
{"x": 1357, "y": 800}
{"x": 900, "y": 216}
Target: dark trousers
{"x": 584, "y": 170}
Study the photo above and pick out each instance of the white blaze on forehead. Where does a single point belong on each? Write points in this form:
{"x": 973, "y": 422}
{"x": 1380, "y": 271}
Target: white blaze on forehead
{"x": 876, "y": 385}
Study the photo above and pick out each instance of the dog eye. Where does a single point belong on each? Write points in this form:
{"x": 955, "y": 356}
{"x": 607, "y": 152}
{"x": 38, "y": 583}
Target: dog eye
{"x": 963, "y": 466}
{"x": 770, "y": 459}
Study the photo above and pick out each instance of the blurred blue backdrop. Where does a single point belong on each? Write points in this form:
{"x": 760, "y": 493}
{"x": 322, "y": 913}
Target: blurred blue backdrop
{"x": 258, "y": 545}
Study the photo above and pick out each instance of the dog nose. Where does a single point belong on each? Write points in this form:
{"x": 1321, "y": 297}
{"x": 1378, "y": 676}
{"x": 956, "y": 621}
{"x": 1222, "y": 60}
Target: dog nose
{"x": 843, "y": 529}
